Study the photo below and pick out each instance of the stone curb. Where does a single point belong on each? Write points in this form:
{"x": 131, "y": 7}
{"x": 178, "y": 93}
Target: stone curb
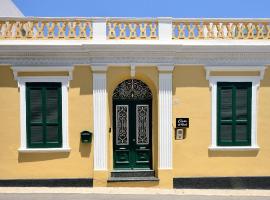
{"x": 139, "y": 191}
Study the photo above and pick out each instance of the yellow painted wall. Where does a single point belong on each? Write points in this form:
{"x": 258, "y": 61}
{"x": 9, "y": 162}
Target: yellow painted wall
{"x": 191, "y": 157}
{"x": 77, "y": 163}
{"x": 192, "y": 98}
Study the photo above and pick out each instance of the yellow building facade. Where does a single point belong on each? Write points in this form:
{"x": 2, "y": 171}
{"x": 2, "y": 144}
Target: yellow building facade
{"x": 160, "y": 102}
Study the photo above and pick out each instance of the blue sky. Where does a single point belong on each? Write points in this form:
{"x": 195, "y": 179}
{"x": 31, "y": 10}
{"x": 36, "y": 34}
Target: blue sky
{"x": 145, "y": 8}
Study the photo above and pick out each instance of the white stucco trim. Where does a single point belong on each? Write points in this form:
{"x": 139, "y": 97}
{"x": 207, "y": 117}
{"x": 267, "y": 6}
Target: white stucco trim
{"x": 100, "y": 117}
{"x": 45, "y": 150}
{"x": 18, "y": 69}
{"x": 165, "y": 117}
{"x": 239, "y": 148}
{"x": 213, "y": 80}
{"x": 210, "y": 69}
{"x": 64, "y": 80}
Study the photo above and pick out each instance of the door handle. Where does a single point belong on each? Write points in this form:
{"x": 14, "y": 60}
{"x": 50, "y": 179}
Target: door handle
{"x": 133, "y": 140}
{"x": 122, "y": 148}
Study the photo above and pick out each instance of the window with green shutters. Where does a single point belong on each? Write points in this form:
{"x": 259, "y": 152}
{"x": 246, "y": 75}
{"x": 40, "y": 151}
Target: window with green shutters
{"x": 44, "y": 115}
{"x": 234, "y": 113}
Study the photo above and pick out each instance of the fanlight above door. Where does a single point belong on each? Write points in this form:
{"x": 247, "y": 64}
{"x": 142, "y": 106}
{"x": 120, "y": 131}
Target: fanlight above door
{"x": 132, "y": 89}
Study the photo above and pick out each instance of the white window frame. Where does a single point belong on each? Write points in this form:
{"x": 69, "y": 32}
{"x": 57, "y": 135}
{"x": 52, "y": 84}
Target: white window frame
{"x": 64, "y": 80}
{"x": 213, "y": 80}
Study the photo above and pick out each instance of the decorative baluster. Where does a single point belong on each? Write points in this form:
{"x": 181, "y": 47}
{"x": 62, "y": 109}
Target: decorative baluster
{"x": 229, "y": 30}
{"x": 251, "y": 30}
{"x": 210, "y": 31}
{"x": 268, "y": 31}
{"x": 40, "y": 29}
{"x": 90, "y": 26}
{"x": 200, "y": 30}
{"x": 112, "y": 27}
{"x": 72, "y": 29}
{"x": 143, "y": 27}
{"x": 1, "y": 31}
{"x": 61, "y": 29}
{"x": 260, "y": 31}
{"x": 190, "y": 29}
{"x": 122, "y": 29}
{"x": 240, "y": 31}
{"x": 181, "y": 31}
{"x": 8, "y": 30}
{"x": 132, "y": 30}
{"x": 50, "y": 27}
{"x": 18, "y": 30}
{"x": 82, "y": 28}
{"x": 220, "y": 30}
{"x": 153, "y": 29}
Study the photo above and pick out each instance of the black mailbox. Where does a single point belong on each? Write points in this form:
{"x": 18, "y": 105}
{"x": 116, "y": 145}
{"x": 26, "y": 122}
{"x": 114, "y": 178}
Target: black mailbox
{"x": 86, "y": 137}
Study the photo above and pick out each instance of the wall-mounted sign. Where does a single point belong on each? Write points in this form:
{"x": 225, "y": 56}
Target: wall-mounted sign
{"x": 182, "y": 122}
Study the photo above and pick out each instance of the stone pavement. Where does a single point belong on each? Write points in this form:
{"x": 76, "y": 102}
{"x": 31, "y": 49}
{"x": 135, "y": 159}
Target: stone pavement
{"x": 75, "y": 196}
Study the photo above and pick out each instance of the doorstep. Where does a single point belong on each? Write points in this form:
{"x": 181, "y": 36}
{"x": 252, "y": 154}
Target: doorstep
{"x": 132, "y": 176}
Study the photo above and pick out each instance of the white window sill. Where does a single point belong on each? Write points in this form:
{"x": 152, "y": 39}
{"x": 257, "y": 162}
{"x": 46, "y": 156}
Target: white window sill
{"x": 44, "y": 150}
{"x": 239, "y": 148}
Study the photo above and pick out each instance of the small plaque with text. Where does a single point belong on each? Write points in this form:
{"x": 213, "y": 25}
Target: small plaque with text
{"x": 182, "y": 122}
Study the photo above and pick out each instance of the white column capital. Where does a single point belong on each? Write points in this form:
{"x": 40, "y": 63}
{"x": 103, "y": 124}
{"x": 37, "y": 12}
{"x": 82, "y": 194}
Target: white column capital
{"x": 168, "y": 68}
{"x": 99, "y": 67}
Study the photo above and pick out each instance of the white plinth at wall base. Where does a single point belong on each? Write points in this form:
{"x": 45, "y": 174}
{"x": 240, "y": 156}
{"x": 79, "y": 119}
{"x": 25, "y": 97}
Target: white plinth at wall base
{"x": 165, "y": 116}
{"x": 100, "y": 116}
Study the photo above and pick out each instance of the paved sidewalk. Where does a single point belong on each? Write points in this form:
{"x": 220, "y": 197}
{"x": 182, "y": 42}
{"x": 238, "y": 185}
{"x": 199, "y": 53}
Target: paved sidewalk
{"x": 51, "y": 196}
{"x": 138, "y": 191}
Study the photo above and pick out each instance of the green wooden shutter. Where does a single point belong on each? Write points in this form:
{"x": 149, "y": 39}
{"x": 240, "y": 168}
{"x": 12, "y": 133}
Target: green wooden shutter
{"x": 44, "y": 115}
{"x": 234, "y": 114}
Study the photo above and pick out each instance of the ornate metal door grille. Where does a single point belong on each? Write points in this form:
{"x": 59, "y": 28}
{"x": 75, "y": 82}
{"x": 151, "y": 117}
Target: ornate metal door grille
{"x": 132, "y": 89}
{"x": 142, "y": 124}
{"x": 122, "y": 132}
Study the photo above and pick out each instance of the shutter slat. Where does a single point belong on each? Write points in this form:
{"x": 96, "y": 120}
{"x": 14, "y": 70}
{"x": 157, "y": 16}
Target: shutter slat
{"x": 226, "y": 103}
{"x": 52, "y": 105}
{"x": 52, "y": 133}
{"x": 36, "y": 134}
{"x": 36, "y": 104}
{"x": 226, "y": 133}
{"x": 241, "y": 103}
{"x": 241, "y": 133}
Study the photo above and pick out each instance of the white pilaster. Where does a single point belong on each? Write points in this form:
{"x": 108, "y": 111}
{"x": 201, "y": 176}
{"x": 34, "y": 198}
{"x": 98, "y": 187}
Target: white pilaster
{"x": 100, "y": 117}
{"x": 165, "y": 116}
{"x": 99, "y": 29}
{"x": 165, "y": 28}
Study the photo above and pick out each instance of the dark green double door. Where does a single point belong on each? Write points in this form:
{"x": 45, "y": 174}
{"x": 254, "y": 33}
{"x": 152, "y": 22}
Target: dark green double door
{"x": 132, "y": 134}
